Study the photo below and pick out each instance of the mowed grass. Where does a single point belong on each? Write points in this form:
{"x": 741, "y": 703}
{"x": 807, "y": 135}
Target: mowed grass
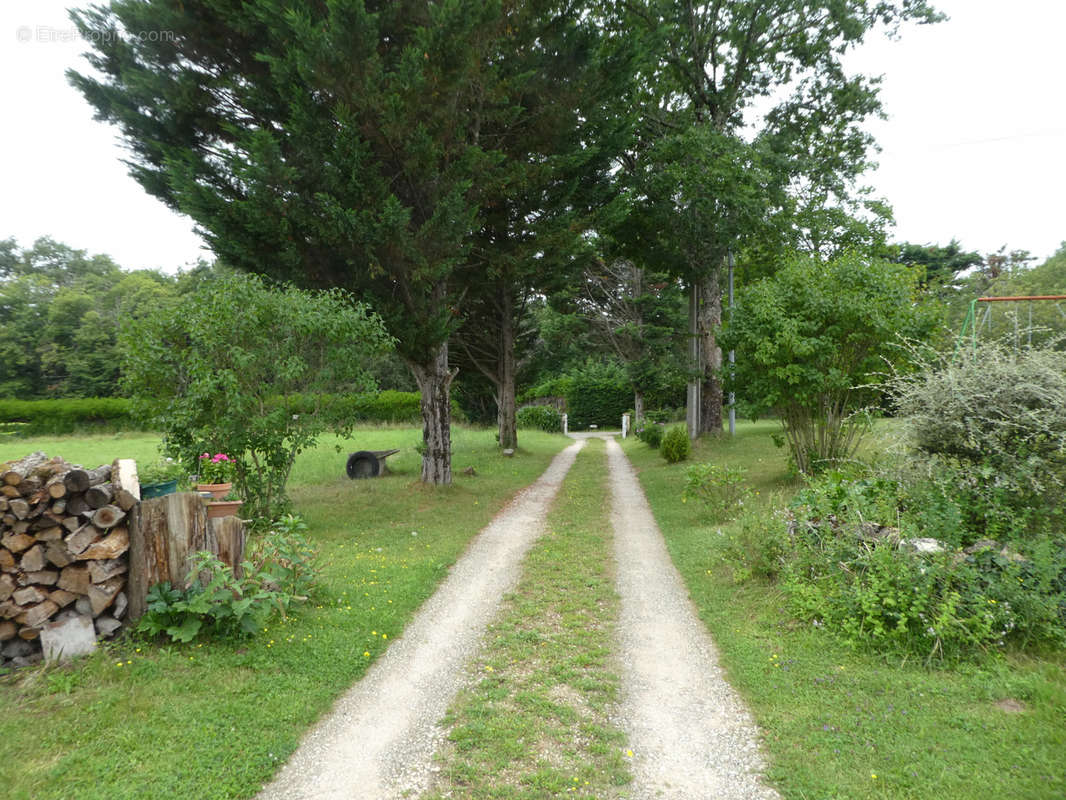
{"x": 216, "y": 719}
{"x": 845, "y": 724}
{"x": 537, "y": 719}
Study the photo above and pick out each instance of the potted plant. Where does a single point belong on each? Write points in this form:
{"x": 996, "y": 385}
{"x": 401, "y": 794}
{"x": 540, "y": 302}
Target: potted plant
{"x": 215, "y": 475}
{"x": 160, "y": 477}
{"x": 226, "y": 507}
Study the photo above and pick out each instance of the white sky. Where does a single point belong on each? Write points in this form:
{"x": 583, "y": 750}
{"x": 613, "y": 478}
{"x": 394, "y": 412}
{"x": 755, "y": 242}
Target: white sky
{"x": 974, "y": 147}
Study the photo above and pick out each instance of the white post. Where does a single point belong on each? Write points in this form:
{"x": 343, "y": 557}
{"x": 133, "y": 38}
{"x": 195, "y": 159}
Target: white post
{"x": 565, "y": 419}
{"x": 625, "y": 425}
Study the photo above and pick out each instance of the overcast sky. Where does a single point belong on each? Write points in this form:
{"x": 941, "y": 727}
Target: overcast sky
{"x": 974, "y": 147}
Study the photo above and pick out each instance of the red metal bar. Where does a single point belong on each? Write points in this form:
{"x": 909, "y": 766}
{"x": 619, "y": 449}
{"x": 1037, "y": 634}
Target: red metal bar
{"x": 1034, "y": 297}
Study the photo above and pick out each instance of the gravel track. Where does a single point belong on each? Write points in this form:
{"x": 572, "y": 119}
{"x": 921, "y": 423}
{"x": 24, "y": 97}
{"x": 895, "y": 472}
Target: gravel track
{"x": 691, "y": 735}
{"x": 378, "y": 741}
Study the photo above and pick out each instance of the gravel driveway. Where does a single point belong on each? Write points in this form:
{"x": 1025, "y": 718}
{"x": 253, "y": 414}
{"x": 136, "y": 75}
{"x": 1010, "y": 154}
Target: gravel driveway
{"x": 691, "y": 736}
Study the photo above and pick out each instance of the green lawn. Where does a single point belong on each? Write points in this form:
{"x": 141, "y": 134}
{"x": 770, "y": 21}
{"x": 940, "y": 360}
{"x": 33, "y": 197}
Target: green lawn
{"x": 846, "y": 724}
{"x": 216, "y": 719}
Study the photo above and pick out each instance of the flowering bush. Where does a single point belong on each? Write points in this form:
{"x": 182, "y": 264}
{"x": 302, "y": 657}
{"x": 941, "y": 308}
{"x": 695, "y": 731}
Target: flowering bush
{"x": 217, "y": 468}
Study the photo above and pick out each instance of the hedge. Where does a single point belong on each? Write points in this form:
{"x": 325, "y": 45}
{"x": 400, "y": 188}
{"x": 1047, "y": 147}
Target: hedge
{"x": 71, "y": 415}
{"x": 48, "y": 417}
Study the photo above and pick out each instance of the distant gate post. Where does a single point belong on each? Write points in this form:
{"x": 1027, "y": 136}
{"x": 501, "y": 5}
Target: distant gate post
{"x": 625, "y": 425}
{"x": 565, "y": 421}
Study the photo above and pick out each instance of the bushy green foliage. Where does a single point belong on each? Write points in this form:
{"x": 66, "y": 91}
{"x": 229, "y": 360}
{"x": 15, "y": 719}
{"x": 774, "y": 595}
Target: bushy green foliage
{"x": 992, "y": 429}
{"x": 45, "y": 417}
{"x": 651, "y": 434}
{"x": 810, "y": 341}
{"x": 216, "y": 603}
{"x": 284, "y": 557}
{"x": 215, "y": 373}
{"x": 871, "y": 584}
{"x": 675, "y": 446}
{"x": 719, "y": 490}
{"x": 543, "y": 418}
{"x": 598, "y": 394}
{"x": 281, "y": 570}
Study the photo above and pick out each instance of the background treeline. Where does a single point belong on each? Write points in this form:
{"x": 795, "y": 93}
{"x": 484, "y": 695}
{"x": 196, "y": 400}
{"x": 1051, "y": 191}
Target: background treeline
{"x": 602, "y": 344}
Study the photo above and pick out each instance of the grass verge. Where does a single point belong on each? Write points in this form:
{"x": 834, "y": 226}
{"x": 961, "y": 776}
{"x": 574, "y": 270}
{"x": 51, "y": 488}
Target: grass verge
{"x": 536, "y": 722}
{"x": 840, "y": 723}
{"x": 216, "y": 719}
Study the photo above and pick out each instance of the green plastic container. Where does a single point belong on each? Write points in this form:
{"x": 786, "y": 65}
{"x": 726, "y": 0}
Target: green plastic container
{"x": 159, "y": 489}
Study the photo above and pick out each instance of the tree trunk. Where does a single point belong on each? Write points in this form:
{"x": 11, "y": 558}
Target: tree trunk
{"x": 709, "y": 321}
{"x": 434, "y": 381}
{"x": 505, "y": 397}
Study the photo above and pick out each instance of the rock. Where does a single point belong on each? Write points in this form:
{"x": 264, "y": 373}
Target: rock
{"x": 508, "y": 453}
{"x": 68, "y": 639}
{"x": 8, "y": 630}
{"x": 83, "y": 606}
{"x": 7, "y": 561}
{"x": 924, "y": 546}
{"x": 470, "y": 471}
{"x": 106, "y": 626}
{"x": 26, "y": 661}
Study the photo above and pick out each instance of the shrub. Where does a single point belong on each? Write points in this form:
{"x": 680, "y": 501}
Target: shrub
{"x": 215, "y": 374}
{"x": 811, "y": 338}
{"x": 863, "y": 580}
{"x": 651, "y": 434}
{"x": 719, "y": 490}
{"x": 542, "y": 418}
{"x": 755, "y": 547}
{"x": 996, "y": 424}
{"x": 675, "y": 446}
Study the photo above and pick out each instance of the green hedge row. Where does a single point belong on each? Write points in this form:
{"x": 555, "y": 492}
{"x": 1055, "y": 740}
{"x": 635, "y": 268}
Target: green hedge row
{"x": 48, "y": 417}
{"x": 44, "y": 417}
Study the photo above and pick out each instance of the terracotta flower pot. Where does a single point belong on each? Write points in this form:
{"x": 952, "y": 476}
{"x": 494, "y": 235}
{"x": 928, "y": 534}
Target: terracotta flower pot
{"x": 218, "y": 490}
{"x": 223, "y": 508}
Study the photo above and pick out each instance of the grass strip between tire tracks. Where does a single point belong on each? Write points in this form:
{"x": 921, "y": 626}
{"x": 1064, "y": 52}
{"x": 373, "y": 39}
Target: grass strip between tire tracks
{"x": 537, "y": 721}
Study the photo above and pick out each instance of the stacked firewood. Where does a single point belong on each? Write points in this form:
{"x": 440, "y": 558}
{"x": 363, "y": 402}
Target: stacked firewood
{"x": 63, "y": 548}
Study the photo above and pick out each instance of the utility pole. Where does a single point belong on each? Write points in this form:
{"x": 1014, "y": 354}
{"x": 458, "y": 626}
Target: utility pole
{"x": 695, "y": 384}
{"x": 732, "y": 353}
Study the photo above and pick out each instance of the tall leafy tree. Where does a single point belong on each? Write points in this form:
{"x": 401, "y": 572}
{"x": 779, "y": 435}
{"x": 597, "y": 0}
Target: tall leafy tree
{"x": 333, "y": 144}
{"x": 722, "y": 172}
{"x": 559, "y": 144}
{"x": 354, "y": 144}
